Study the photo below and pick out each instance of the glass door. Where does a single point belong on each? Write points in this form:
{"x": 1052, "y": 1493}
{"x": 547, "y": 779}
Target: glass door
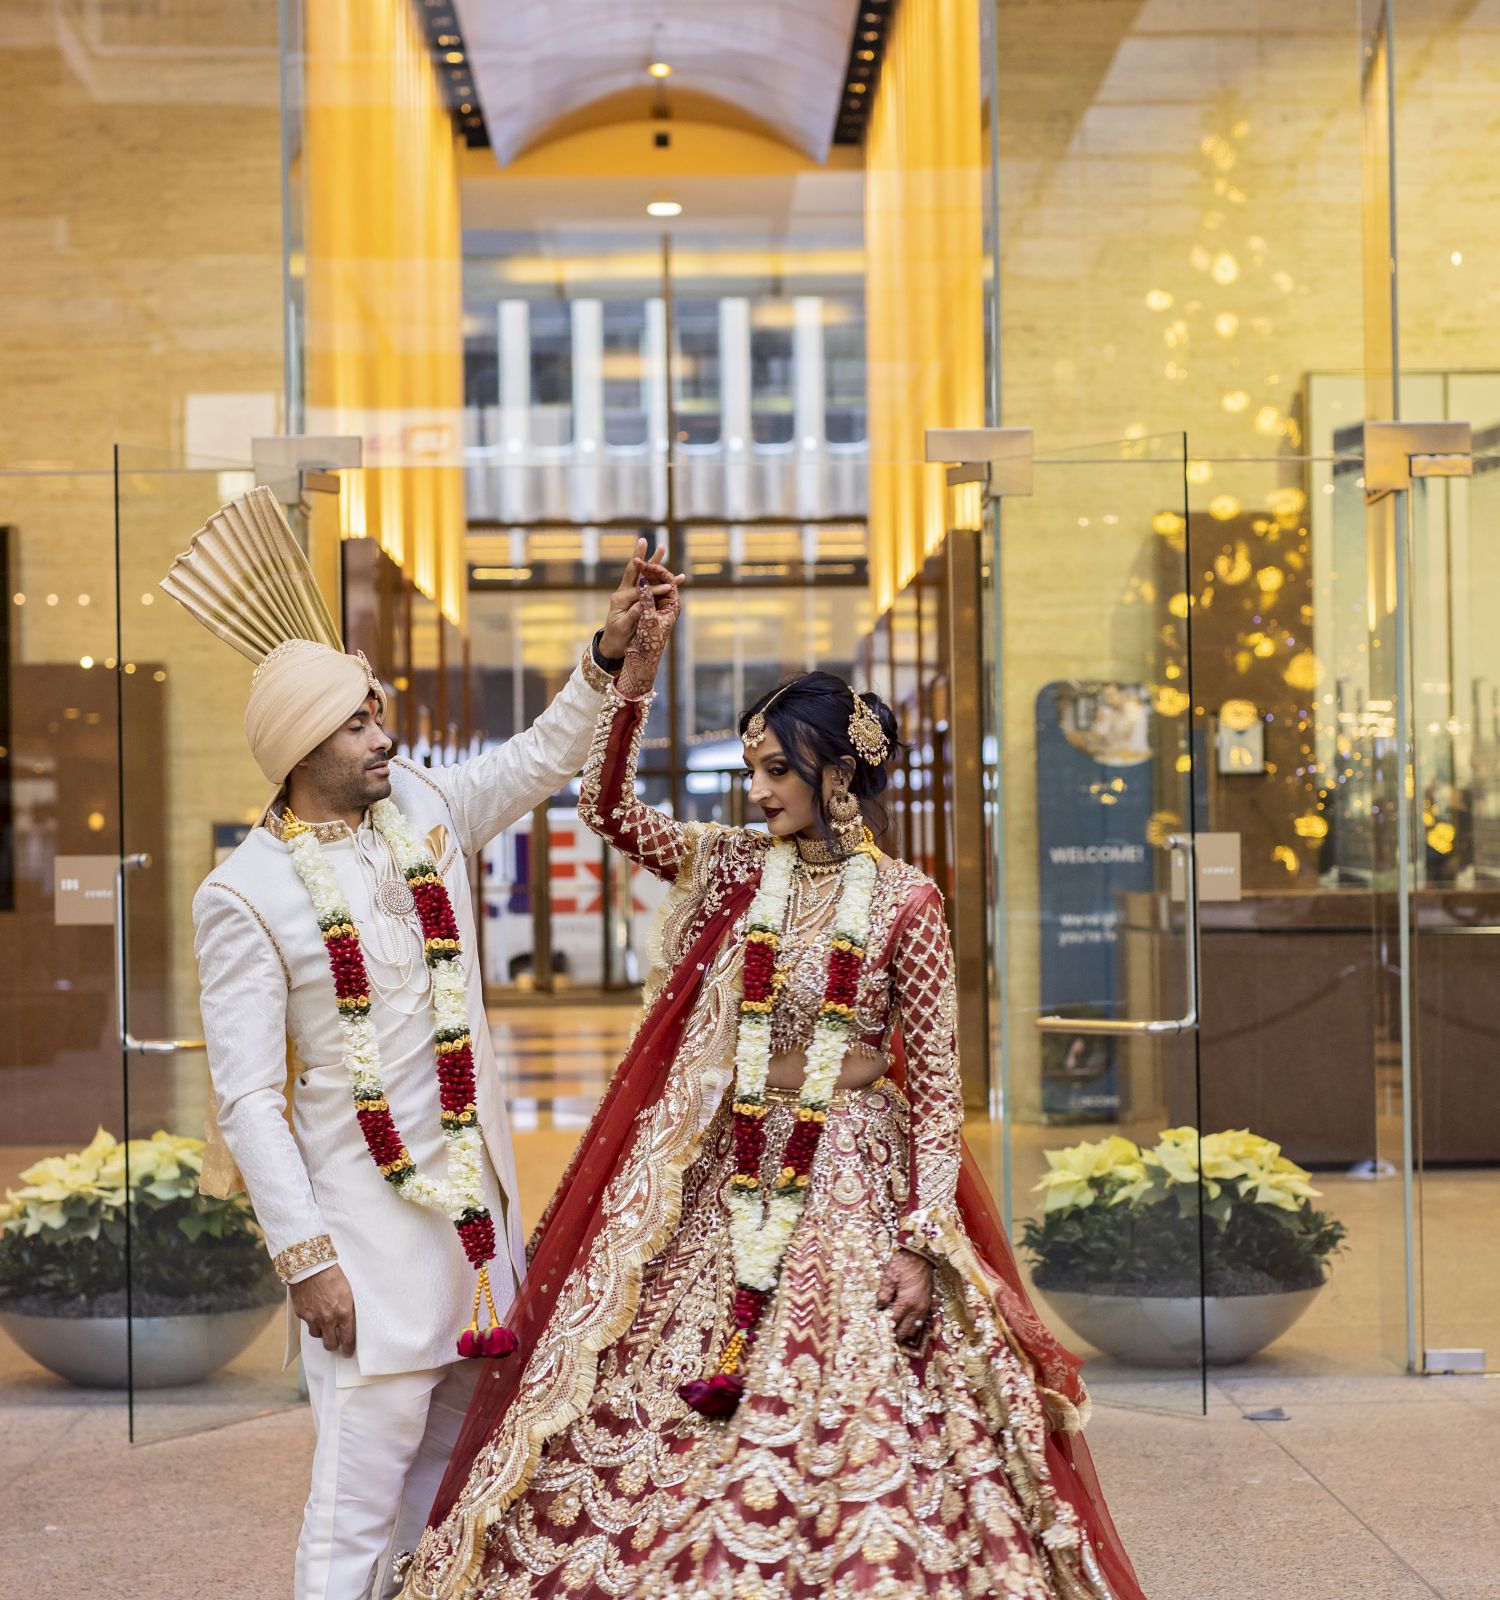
{"x": 207, "y": 1324}
{"x": 1452, "y": 865}
{"x": 1095, "y": 931}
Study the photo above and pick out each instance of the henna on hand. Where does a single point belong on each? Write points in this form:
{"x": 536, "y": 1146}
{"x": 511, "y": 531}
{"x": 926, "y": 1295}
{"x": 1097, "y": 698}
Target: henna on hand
{"x": 906, "y": 1292}
{"x": 656, "y": 613}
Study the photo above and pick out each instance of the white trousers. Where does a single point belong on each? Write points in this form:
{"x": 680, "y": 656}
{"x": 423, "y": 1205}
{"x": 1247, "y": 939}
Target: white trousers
{"x": 383, "y": 1446}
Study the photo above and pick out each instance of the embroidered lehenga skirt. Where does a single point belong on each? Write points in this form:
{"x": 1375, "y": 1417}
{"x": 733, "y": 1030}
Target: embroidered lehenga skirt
{"x": 854, "y": 1466}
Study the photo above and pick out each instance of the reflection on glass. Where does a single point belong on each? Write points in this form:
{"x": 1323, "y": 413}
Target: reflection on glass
{"x": 191, "y": 793}
{"x": 1093, "y": 676}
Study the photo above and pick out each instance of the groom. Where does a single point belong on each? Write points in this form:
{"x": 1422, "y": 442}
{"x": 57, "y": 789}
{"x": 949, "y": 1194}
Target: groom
{"x": 380, "y": 1284}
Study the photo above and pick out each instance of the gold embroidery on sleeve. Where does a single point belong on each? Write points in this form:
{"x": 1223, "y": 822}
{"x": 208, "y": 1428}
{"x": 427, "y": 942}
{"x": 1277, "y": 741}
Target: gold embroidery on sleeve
{"x": 302, "y": 1255}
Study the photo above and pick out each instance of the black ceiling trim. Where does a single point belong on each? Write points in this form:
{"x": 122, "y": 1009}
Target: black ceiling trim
{"x": 455, "y": 72}
{"x": 866, "y": 50}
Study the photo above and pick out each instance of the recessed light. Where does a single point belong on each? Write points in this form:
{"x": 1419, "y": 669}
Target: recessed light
{"x": 660, "y": 69}
{"x": 664, "y": 208}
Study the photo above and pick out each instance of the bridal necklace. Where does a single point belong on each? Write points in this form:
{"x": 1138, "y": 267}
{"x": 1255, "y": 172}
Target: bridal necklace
{"x": 819, "y": 857}
{"x": 459, "y": 1195}
{"x": 760, "y": 1229}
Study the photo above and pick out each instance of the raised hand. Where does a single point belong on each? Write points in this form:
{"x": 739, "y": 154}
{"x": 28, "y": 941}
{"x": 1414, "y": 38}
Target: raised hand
{"x": 656, "y": 613}
{"x": 633, "y": 597}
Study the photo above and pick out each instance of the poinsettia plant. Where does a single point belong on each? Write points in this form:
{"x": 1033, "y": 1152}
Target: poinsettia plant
{"x": 64, "y": 1235}
{"x": 1224, "y": 1214}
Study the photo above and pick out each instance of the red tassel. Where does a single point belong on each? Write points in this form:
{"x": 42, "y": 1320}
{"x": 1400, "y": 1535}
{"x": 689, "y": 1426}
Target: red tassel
{"x": 498, "y": 1342}
{"x": 468, "y": 1343}
{"x": 718, "y": 1396}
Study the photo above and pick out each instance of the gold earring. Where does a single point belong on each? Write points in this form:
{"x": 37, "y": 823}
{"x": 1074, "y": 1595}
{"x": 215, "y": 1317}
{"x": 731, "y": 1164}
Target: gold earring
{"x": 846, "y": 819}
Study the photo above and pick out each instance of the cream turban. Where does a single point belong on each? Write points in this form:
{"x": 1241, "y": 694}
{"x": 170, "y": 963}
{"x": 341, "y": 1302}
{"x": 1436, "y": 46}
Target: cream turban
{"x": 302, "y": 693}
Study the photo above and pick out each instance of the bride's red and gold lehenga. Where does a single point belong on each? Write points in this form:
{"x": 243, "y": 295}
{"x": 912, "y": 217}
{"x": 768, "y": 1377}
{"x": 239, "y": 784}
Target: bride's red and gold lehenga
{"x": 854, "y": 1465}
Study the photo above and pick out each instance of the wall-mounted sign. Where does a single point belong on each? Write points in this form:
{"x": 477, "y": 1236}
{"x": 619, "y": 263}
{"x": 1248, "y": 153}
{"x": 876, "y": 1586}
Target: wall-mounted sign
{"x": 83, "y": 891}
{"x": 1241, "y": 741}
{"x": 1219, "y": 870}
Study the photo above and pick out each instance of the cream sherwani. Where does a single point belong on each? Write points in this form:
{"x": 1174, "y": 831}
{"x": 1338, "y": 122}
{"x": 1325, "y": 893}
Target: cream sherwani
{"x": 266, "y": 982}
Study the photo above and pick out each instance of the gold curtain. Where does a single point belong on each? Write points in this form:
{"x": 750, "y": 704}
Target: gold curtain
{"x": 924, "y": 241}
{"x": 383, "y": 287}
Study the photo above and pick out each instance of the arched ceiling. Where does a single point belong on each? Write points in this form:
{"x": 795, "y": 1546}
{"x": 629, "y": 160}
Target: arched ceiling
{"x": 538, "y": 62}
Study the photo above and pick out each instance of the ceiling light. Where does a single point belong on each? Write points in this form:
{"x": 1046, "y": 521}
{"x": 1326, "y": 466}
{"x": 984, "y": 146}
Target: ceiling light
{"x": 455, "y": 55}
{"x": 660, "y": 69}
{"x": 662, "y": 207}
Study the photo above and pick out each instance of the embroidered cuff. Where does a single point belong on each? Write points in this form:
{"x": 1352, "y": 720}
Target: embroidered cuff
{"x": 300, "y": 1258}
{"x": 921, "y": 1233}
{"x": 599, "y": 670}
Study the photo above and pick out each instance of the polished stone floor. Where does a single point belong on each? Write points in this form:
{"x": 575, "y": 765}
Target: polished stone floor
{"x": 1316, "y": 1472}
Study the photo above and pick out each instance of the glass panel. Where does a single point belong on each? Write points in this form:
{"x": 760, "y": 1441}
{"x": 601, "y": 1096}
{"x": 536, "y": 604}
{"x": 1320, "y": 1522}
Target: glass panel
{"x": 1446, "y": 64}
{"x": 1455, "y": 861}
{"x": 1094, "y": 702}
{"x": 1297, "y": 998}
{"x": 59, "y": 848}
{"x": 208, "y": 1327}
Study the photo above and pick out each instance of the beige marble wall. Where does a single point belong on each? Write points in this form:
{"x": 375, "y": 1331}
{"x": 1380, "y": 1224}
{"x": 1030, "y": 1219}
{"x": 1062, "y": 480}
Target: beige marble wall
{"x": 1181, "y": 210}
{"x": 140, "y": 305}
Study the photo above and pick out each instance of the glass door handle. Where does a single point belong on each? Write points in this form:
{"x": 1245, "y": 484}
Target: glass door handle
{"x": 1182, "y": 846}
{"x": 147, "y": 1047}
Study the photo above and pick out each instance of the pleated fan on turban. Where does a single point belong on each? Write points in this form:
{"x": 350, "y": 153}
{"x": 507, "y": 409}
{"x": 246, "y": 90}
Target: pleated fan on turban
{"x": 245, "y": 578}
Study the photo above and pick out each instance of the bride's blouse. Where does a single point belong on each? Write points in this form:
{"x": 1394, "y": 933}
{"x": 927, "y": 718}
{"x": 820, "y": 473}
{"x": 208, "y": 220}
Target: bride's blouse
{"x": 906, "y": 983}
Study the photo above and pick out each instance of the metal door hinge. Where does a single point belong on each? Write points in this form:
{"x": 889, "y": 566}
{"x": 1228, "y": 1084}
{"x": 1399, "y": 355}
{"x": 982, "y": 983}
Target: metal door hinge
{"x": 999, "y": 458}
{"x": 1398, "y": 452}
{"x": 292, "y": 465}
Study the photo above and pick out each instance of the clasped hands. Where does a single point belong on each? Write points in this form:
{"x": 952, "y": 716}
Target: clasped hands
{"x": 642, "y": 611}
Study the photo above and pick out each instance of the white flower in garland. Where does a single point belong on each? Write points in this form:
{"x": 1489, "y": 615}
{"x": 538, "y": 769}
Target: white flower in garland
{"x": 761, "y": 1230}
{"x": 461, "y": 1192}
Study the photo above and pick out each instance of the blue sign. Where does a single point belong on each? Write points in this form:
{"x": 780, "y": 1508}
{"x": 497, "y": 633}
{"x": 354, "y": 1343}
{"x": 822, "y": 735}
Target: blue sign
{"x": 1094, "y": 772}
{"x": 228, "y": 837}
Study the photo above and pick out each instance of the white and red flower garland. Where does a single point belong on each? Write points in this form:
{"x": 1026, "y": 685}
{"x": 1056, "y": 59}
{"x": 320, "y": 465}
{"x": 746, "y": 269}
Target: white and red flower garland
{"x": 760, "y": 1231}
{"x": 460, "y": 1196}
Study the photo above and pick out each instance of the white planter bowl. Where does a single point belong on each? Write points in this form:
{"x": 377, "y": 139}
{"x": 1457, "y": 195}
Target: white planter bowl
{"x": 167, "y": 1351}
{"x": 1147, "y": 1331}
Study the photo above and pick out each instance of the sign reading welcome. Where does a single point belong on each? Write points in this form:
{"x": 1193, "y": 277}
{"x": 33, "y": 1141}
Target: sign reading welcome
{"x": 1094, "y": 748}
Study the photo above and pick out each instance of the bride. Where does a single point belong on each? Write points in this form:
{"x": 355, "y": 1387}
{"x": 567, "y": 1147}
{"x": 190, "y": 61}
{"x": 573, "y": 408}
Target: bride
{"x": 772, "y": 1344}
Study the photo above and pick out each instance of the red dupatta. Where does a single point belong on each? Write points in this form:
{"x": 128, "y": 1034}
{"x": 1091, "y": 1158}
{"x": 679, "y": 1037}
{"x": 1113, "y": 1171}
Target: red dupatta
{"x": 573, "y": 1219}
{"x": 570, "y": 1226}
